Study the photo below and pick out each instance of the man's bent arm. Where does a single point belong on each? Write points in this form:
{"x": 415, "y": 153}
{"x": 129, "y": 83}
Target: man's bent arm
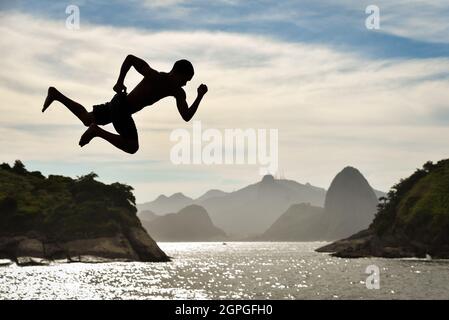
{"x": 186, "y": 112}
{"x": 132, "y": 61}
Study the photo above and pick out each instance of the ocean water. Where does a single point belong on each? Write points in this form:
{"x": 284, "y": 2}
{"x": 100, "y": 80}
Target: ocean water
{"x": 237, "y": 270}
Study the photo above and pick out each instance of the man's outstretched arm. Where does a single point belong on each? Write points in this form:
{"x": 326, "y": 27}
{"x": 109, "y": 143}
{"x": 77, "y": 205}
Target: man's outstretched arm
{"x": 131, "y": 61}
{"x": 183, "y": 108}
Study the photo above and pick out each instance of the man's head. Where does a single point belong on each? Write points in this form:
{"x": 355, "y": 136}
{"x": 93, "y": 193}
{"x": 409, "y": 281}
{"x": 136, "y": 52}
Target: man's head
{"x": 182, "y": 71}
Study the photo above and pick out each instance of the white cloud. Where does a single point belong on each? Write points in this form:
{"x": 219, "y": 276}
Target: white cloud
{"x": 331, "y": 108}
{"x": 421, "y": 20}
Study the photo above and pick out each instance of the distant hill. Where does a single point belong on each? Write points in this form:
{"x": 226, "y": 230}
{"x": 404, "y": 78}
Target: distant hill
{"x": 176, "y": 202}
{"x": 379, "y": 194}
{"x": 63, "y": 218}
{"x": 301, "y": 222}
{"x": 190, "y": 224}
{"x": 412, "y": 221}
{"x": 350, "y": 204}
{"x": 213, "y": 193}
{"x": 147, "y": 215}
{"x": 164, "y": 204}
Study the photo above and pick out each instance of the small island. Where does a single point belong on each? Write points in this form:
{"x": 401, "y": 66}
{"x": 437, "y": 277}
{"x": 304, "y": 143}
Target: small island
{"x": 73, "y": 220}
{"x": 412, "y": 220}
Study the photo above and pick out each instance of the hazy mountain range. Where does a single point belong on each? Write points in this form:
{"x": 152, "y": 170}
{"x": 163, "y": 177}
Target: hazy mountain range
{"x": 247, "y": 211}
{"x": 261, "y": 209}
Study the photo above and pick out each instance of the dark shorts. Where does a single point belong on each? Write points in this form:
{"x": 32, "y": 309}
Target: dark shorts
{"x": 117, "y": 113}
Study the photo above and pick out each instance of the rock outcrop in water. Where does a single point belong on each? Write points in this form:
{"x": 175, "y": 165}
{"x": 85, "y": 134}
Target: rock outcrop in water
{"x": 412, "y": 221}
{"x": 73, "y": 219}
{"x": 190, "y": 224}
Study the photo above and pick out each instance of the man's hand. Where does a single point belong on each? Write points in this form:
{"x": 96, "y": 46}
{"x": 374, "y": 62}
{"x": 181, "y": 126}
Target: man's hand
{"x": 202, "y": 89}
{"x": 119, "y": 87}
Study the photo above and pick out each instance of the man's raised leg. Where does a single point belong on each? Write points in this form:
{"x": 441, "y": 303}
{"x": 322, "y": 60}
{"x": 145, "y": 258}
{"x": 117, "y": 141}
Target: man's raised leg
{"x": 127, "y": 145}
{"x": 77, "y": 109}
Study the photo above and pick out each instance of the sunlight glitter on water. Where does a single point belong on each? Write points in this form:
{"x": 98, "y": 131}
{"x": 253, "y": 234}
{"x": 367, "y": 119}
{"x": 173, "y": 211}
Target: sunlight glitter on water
{"x": 238, "y": 270}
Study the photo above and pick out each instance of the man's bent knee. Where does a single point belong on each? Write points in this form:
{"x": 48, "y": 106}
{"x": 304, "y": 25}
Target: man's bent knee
{"x": 89, "y": 119}
{"x": 133, "y": 147}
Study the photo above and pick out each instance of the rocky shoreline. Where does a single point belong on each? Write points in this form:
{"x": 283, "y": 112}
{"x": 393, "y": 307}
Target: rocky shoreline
{"x": 35, "y": 249}
{"x": 57, "y": 218}
{"x": 367, "y": 244}
{"x": 411, "y": 221}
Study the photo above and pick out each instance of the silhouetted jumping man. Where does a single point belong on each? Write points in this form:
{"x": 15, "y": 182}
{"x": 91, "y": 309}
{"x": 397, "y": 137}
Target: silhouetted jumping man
{"x": 154, "y": 86}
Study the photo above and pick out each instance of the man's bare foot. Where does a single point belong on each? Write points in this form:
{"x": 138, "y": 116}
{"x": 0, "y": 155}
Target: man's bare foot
{"x": 88, "y": 135}
{"x": 51, "y": 96}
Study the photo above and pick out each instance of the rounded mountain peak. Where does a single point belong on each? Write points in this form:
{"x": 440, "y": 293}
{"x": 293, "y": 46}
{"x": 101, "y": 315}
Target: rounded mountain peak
{"x": 193, "y": 209}
{"x": 351, "y": 180}
{"x": 350, "y": 170}
{"x": 178, "y": 195}
{"x": 161, "y": 197}
{"x": 268, "y": 178}
{"x": 350, "y": 203}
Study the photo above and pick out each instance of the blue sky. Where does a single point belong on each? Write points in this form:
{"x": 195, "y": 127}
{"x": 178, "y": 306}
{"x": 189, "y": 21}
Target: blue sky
{"x": 337, "y": 23}
{"x": 339, "y": 94}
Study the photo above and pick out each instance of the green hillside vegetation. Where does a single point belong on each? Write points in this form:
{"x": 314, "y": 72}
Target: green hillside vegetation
{"x": 418, "y": 207}
{"x": 412, "y": 220}
{"x": 61, "y": 207}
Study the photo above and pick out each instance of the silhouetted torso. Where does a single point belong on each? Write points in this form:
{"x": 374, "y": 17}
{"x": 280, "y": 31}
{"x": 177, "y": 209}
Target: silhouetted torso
{"x": 150, "y": 90}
